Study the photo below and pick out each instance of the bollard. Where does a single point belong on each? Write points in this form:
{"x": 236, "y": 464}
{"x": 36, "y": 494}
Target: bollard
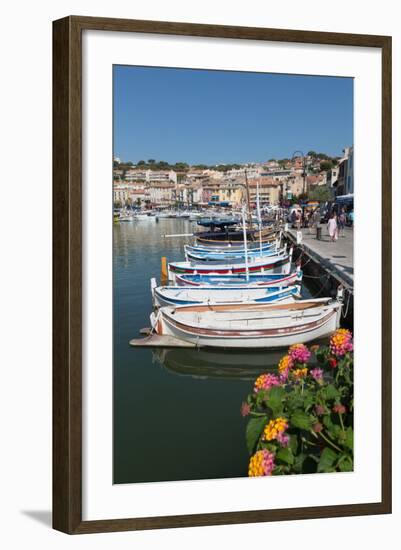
{"x": 319, "y": 233}
{"x": 164, "y": 271}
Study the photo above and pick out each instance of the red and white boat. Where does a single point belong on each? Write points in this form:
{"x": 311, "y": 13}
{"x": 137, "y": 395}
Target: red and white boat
{"x": 270, "y": 264}
{"x": 240, "y": 281}
{"x": 249, "y": 325}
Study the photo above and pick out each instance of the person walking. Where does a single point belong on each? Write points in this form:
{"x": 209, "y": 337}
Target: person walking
{"x": 314, "y": 220}
{"x": 342, "y": 218}
{"x": 298, "y": 220}
{"x": 351, "y": 218}
{"x": 332, "y": 227}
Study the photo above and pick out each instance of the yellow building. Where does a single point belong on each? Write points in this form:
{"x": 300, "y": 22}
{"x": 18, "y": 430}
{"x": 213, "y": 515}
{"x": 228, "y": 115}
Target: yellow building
{"x": 269, "y": 191}
{"x": 232, "y": 193}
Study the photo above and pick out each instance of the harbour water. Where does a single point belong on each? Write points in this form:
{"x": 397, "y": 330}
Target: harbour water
{"x": 176, "y": 411}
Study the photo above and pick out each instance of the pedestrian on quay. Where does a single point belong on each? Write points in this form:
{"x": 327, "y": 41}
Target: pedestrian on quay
{"x": 342, "y": 218}
{"x": 332, "y": 227}
{"x": 298, "y": 220}
{"x": 306, "y": 219}
{"x": 314, "y": 220}
{"x": 351, "y": 218}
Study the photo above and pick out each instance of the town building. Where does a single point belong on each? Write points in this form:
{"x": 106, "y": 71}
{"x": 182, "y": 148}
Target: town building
{"x": 151, "y": 176}
{"x": 162, "y": 194}
{"x": 120, "y": 194}
{"x": 345, "y": 180}
{"x": 269, "y": 191}
{"x": 161, "y": 176}
{"x": 136, "y": 175}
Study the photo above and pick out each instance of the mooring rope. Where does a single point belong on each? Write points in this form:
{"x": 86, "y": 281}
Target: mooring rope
{"x": 344, "y": 314}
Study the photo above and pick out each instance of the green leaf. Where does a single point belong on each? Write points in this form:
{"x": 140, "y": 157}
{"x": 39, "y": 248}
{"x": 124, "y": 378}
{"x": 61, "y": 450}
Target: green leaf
{"x": 294, "y": 401}
{"x": 346, "y": 464}
{"x": 285, "y": 454}
{"x": 331, "y": 392}
{"x": 254, "y": 430}
{"x": 349, "y": 438}
{"x": 327, "y": 421}
{"x": 327, "y": 459}
{"x": 298, "y": 463}
{"x": 293, "y": 444}
{"x": 309, "y": 400}
{"x": 301, "y": 420}
{"x": 275, "y": 399}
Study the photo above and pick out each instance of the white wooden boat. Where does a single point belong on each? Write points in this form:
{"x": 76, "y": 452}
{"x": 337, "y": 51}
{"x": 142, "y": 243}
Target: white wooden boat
{"x": 203, "y": 250}
{"x": 180, "y": 295}
{"x": 140, "y": 216}
{"x": 272, "y": 264}
{"x": 241, "y": 280}
{"x": 231, "y": 256}
{"x": 249, "y": 325}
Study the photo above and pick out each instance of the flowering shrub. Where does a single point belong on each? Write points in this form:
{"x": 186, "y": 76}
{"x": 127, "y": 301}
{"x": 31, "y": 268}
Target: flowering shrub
{"x": 301, "y": 419}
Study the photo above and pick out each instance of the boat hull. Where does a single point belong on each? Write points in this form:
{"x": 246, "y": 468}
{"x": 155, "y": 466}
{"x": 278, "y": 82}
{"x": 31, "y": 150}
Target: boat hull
{"x": 233, "y": 237}
{"x": 258, "y": 334}
{"x": 233, "y": 257}
{"x": 239, "y": 280}
{"x": 177, "y": 295}
{"x": 271, "y": 265}
{"x": 233, "y": 249}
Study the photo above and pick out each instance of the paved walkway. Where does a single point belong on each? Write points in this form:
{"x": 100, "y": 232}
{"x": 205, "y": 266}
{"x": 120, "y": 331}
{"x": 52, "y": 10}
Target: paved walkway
{"x": 337, "y": 256}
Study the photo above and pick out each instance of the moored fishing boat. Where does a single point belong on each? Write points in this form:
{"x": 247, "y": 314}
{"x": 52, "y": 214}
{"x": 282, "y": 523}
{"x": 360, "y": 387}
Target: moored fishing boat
{"x": 239, "y": 247}
{"x": 126, "y": 217}
{"x": 226, "y": 238}
{"x": 179, "y": 295}
{"x": 272, "y": 264}
{"x": 249, "y": 325}
{"x": 142, "y": 216}
{"x": 241, "y": 280}
{"x": 232, "y": 256}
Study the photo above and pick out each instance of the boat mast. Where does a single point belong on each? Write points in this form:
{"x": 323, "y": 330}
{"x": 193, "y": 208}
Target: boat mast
{"x": 248, "y": 199}
{"x": 259, "y": 217}
{"x": 245, "y": 244}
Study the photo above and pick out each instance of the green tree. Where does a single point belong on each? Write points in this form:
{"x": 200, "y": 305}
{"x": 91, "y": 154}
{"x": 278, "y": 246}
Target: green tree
{"x": 326, "y": 165}
{"x": 320, "y": 193}
{"x": 141, "y": 163}
{"x": 181, "y": 166}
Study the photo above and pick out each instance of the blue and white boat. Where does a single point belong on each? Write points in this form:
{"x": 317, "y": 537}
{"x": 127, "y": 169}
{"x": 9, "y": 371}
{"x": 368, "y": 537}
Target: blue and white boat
{"x": 240, "y": 280}
{"x": 233, "y": 249}
{"x": 181, "y": 296}
{"x": 232, "y": 256}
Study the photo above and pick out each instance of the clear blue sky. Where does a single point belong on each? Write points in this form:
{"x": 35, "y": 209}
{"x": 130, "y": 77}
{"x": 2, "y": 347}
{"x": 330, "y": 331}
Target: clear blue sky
{"x": 213, "y": 117}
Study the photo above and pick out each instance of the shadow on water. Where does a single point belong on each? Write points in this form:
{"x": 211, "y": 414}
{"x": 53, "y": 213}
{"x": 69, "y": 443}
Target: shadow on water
{"x": 225, "y": 364}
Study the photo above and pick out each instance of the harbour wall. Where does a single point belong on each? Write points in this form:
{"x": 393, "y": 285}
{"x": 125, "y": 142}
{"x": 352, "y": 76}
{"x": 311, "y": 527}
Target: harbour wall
{"x": 321, "y": 277}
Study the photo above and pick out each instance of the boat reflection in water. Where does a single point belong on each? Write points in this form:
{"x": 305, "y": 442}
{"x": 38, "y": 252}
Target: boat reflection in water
{"x": 215, "y": 363}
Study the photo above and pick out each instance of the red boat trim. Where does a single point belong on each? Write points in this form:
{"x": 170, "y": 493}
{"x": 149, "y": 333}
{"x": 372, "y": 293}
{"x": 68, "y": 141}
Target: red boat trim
{"x": 217, "y": 271}
{"x": 251, "y": 333}
{"x": 291, "y": 278}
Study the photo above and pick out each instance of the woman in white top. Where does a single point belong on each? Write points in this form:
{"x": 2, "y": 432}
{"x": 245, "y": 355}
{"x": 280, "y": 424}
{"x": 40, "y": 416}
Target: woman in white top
{"x": 332, "y": 227}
